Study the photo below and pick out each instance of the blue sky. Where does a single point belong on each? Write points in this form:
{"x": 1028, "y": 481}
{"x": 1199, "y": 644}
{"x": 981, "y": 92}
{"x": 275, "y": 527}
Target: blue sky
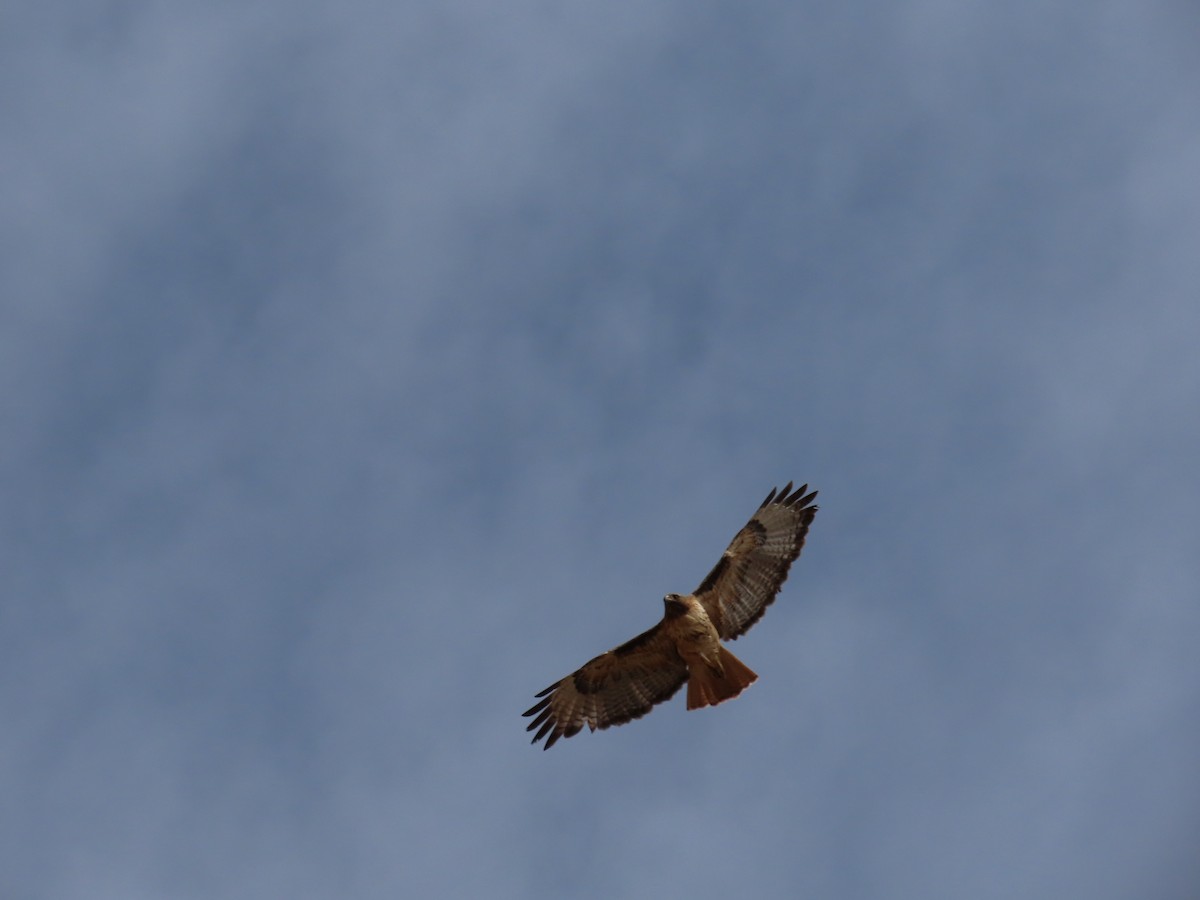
{"x": 367, "y": 367}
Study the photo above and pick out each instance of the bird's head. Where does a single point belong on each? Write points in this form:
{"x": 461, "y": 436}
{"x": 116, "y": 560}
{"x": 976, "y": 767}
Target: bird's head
{"x": 674, "y": 605}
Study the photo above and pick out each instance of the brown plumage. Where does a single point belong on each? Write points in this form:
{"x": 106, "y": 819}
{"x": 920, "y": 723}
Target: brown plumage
{"x": 626, "y": 682}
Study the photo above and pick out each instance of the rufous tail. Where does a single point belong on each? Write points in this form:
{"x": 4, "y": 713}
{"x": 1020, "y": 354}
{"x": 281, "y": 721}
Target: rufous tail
{"x": 708, "y": 687}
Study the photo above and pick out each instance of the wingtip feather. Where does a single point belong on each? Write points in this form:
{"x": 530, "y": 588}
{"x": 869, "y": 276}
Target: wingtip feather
{"x": 537, "y": 707}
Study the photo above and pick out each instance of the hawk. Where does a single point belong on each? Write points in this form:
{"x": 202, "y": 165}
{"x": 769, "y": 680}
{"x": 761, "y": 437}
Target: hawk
{"x": 627, "y": 681}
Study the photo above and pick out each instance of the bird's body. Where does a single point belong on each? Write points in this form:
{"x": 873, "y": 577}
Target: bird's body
{"x": 691, "y": 631}
{"x": 714, "y": 673}
{"x": 627, "y": 681}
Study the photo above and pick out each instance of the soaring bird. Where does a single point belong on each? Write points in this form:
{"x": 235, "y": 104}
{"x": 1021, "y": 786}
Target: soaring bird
{"x": 627, "y": 681}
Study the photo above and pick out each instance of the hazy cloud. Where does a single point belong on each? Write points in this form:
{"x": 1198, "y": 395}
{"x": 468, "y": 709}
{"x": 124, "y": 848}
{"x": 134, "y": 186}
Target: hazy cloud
{"x": 367, "y": 368}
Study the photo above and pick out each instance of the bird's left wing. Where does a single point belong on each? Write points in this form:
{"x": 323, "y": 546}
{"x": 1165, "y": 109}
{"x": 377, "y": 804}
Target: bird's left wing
{"x": 751, "y": 571}
{"x": 614, "y": 688}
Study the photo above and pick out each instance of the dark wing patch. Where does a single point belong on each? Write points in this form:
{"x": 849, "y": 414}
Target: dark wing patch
{"x": 614, "y": 688}
{"x": 714, "y": 576}
{"x": 750, "y": 573}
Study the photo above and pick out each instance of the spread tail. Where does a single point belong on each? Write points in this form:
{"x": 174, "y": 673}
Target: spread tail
{"x": 707, "y": 687}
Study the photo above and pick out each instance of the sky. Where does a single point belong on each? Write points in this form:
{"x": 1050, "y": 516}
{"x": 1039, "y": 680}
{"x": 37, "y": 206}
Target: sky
{"x": 367, "y": 367}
